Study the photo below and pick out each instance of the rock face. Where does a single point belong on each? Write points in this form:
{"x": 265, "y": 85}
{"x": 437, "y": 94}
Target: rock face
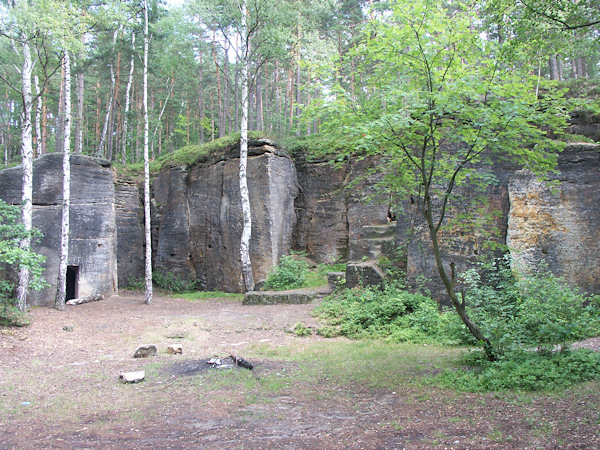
{"x": 462, "y": 241}
{"x": 559, "y": 225}
{"x": 322, "y": 211}
{"x": 92, "y": 244}
{"x": 130, "y": 230}
{"x": 200, "y": 220}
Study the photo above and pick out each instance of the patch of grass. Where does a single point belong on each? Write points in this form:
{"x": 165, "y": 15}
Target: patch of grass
{"x": 205, "y": 295}
{"x": 523, "y": 371}
{"x": 372, "y": 363}
{"x": 189, "y": 155}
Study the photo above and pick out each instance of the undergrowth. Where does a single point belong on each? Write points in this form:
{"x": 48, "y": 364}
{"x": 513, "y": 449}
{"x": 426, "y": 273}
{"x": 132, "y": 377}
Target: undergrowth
{"x": 521, "y": 371}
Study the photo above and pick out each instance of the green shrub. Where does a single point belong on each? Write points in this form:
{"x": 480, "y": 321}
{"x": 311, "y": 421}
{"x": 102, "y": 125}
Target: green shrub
{"x": 534, "y": 310}
{"x": 301, "y": 330}
{"x": 289, "y": 274}
{"x": 13, "y": 257}
{"x": 136, "y": 284}
{"x": 168, "y": 281}
{"x": 393, "y": 314}
{"x": 525, "y": 371}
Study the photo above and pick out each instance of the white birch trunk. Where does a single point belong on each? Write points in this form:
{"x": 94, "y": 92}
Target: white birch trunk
{"x": 127, "y": 101}
{"x": 246, "y": 213}
{"x": 61, "y": 282}
{"x": 27, "y": 182}
{"x": 147, "y": 166}
{"x": 38, "y": 117}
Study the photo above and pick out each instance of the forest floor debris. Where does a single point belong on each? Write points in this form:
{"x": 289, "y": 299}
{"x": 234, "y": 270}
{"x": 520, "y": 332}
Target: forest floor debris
{"x": 60, "y": 389}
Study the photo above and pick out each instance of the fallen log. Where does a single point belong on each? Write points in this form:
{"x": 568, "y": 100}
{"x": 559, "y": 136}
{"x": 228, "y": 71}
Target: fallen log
{"x": 88, "y": 299}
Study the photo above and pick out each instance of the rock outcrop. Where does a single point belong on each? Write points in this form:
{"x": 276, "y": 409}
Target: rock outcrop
{"x": 93, "y": 236}
{"x": 559, "y": 224}
{"x": 200, "y": 220}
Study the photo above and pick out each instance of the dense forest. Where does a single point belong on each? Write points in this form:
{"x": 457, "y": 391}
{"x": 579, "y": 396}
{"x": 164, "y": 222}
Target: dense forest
{"x": 302, "y": 54}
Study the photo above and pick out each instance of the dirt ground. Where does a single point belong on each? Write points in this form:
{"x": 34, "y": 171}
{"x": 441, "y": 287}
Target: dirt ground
{"x": 59, "y": 388}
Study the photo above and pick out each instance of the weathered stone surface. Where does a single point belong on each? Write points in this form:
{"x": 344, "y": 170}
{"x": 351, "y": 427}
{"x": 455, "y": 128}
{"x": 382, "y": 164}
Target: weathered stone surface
{"x": 130, "y": 230}
{"x": 144, "y": 351}
{"x": 335, "y": 278}
{"x": 461, "y": 241}
{"x": 560, "y": 225}
{"x": 295, "y": 296}
{"x": 201, "y": 222}
{"x": 132, "y": 377}
{"x": 367, "y": 207}
{"x": 364, "y": 274}
{"x": 92, "y": 238}
{"x": 322, "y": 211}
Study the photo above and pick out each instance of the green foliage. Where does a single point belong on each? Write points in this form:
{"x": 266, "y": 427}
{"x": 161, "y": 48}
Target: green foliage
{"x": 194, "y": 154}
{"x": 393, "y": 314}
{"x": 135, "y": 284}
{"x": 14, "y": 257}
{"x": 289, "y": 274}
{"x": 531, "y": 310}
{"x": 169, "y": 281}
{"x": 300, "y": 329}
{"x": 526, "y": 371}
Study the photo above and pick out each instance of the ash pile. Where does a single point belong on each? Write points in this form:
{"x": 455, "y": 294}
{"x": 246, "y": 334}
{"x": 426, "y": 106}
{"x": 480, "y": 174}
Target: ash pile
{"x": 193, "y": 367}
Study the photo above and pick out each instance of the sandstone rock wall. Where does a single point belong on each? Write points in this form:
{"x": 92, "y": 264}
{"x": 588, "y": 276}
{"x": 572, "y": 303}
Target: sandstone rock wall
{"x": 93, "y": 237}
{"x": 322, "y": 211}
{"x": 560, "y": 224}
{"x": 200, "y": 220}
{"x": 130, "y": 230}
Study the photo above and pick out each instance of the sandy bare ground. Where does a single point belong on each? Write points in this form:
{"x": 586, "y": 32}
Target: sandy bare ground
{"x": 59, "y": 388}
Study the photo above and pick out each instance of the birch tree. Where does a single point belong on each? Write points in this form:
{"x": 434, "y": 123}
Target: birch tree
{"x": 148, "y": 266}
{"x": 246, "y": 212}
{"x": 61, "y": 283}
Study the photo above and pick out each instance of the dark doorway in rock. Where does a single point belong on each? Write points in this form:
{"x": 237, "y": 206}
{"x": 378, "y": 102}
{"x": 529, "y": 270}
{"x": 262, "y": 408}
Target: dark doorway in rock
{"x": 72, "y": 282}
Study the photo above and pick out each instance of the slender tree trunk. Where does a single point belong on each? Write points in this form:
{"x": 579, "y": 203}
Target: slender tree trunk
{"x": 450, "y": 281}
{"x": 61, "y": 283}
{"x": 259, "y": 104}
{"x": 219, "y": 94}
{"x": 80, "y": 105}
{"x": 38, "y": 118}
{"x": 44, "y": 121}
{"x": 246, "y": 213}
{"x": 553, "y": 67}
{"x": 60, "y": 117}
{"x": 200, "y": 95}
{"x": 113, "y": 114}
{"x": 27, "y": 181}
{"x": 127, "y": 96}
{"x": 581, "y": 67}
{"x": 148, "y": 266}
{"x": 109, "y": 104}
{"x": 277, "y": 96}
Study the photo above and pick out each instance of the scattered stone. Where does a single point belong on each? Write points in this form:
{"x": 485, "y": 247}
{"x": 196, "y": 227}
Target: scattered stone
{"x": 175, "y": 349}
{"x": 132, "y": 377}
{"x": 68, "y": 328}
{"x": 335, "y": 278}
{"x": 290, "y": 297}
{"x": 366, "y": 273}
{"x": 88, "y": 299}
{"x": 145, "y": 351}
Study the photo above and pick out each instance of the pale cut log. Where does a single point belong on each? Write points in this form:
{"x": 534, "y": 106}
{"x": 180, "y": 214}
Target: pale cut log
{"x": 88, "y": 299}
